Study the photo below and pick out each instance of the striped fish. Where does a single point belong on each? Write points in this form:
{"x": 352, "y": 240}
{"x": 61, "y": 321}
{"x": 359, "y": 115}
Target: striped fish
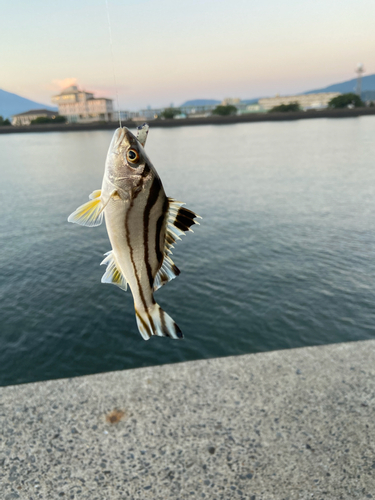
{"x": 142, "y": 224}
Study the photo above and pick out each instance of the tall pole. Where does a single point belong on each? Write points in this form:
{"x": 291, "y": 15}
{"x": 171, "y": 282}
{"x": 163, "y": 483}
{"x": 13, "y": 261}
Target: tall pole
{"x": 360, "y": 70}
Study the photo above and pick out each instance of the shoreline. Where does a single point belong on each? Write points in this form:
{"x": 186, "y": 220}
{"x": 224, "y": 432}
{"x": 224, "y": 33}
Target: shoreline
{"x": 187, "y": 122}
{"x": 295, "y": 424}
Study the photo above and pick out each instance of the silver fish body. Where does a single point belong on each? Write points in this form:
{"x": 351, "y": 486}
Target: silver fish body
{"x": 142, "y": 225}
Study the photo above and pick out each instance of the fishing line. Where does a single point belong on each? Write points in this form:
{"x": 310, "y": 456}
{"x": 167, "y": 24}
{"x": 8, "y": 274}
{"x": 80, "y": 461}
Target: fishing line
{"x": 113, "y": 62}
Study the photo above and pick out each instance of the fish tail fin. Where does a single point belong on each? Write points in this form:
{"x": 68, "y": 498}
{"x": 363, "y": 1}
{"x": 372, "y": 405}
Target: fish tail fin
{"x": 155, "y": 321}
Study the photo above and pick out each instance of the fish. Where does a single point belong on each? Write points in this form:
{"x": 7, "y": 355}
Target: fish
{"x": 143, "y": 225}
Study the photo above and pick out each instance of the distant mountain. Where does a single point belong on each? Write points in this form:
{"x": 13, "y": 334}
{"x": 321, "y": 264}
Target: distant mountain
{"x": 12, "y": 104}
{"x": 368, "y": 83}
{"x": 201, "y": 102}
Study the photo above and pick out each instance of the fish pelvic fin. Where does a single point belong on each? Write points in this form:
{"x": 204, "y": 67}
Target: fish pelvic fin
{"x": 155, "y": 321}
{"x": 179, "y": 221}
{"x": 91, "y": 213}
{"x": 113, "y": 274}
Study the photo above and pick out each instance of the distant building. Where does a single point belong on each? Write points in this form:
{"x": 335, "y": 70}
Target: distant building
{"x": 123, "y": 115}
{"x": 254, "y": 108}
{"x": 306, "y": 101}
{"x": 197, "y": 111}
{"x": 230, "y": 101}
{"x": 27, "y": 117}
{"x": 149, "y": 114}
{"x": 81, "y": 106}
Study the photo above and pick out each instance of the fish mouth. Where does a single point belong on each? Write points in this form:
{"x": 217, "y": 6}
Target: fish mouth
{"x": 122, "y": 137}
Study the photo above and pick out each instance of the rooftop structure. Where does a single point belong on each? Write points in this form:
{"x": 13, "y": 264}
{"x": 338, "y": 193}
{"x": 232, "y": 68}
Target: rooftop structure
{"x": 81, "y": 106}
{"x": 306, "y": 101}
{"x": 23, "y": 119}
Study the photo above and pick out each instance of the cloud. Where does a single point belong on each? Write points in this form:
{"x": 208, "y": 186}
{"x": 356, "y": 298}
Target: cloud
{"x": 63, "y": 84}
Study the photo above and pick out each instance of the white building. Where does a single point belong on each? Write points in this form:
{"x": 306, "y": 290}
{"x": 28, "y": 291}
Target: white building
{"x": 230, "y": 101}
{"x": 27, "y": 117}
{"x": 306, "y": 101}
{"x": 81, "y": 106}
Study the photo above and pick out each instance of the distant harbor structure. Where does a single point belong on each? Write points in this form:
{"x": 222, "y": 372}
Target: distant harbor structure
{"x": 305, "y": 101}
{"x": 79, "y": 106}
{"x": 360, "y": 70}
{"x": 24, "y": 119}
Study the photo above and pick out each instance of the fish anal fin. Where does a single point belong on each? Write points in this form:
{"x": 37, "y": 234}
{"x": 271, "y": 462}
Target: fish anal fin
{"x": 167, "y": 272}
{"x": 113, "y": 274}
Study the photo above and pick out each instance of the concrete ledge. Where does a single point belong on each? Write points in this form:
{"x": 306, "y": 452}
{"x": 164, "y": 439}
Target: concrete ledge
{"x": 296, "y": 424}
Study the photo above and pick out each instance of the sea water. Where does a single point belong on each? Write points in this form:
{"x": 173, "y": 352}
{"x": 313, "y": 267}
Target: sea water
{"x": 284, "y": 256}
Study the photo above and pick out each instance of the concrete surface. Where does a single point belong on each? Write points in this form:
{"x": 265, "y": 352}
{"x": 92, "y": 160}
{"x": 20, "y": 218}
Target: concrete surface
{"x": 296, "y": 424}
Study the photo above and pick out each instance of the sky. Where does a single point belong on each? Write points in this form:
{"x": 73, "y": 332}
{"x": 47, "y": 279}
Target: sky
{"x": 170, "y": 51}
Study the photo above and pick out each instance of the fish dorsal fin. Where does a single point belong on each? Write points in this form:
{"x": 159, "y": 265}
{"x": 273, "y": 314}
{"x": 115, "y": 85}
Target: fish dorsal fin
{"x": 142, "y": 132}
{"x": 179, "y": 220}
{"x": 113, "y": 275}
{"x": 90, "y": 213}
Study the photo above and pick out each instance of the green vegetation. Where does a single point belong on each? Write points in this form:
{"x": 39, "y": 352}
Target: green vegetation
{"x": 349, "y": 100}
{"x": 4, "y": 122}
{"x": 285, "y": 108}
{"x": 45, "y": 119}
{"x": 225, "y": 110}
{"x": 170, "y": 113}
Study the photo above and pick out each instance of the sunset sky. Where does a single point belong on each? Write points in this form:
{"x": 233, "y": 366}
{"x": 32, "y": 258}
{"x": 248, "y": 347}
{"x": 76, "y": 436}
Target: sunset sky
{"x": 169, "y": 51}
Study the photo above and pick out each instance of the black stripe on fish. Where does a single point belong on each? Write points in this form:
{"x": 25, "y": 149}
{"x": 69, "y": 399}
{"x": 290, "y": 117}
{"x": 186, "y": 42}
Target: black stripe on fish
{"x": 163, "y": 324}
{"x": 134, "y": 266}
{"x": 183, "y": 222}
{"x": 176, "y": 270}
{"x": 187, "y": 213}
{"x": 178, "y": 331}
{"x": 185, "y": 217}
{"x": 146, "y": 170}
{"x": 152, "y": 198}
{"x": 159, "y": 226}
{"x": 144, "y": 324}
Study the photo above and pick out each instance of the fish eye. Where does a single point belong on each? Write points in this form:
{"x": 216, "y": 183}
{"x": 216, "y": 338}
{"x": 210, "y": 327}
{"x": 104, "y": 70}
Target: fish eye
{"x": 132, "y": 156}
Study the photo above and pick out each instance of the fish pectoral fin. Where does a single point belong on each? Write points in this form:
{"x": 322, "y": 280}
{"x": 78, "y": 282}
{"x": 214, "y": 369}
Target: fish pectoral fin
{"x": 95, "y": 194}
{"x": 89, "y": 214}
{"x": 166, "y": 273}
{"x": 113, "y": 274}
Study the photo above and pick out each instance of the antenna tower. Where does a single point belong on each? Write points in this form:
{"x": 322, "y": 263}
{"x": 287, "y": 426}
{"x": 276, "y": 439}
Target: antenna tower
{"x": 360, "y": 70}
